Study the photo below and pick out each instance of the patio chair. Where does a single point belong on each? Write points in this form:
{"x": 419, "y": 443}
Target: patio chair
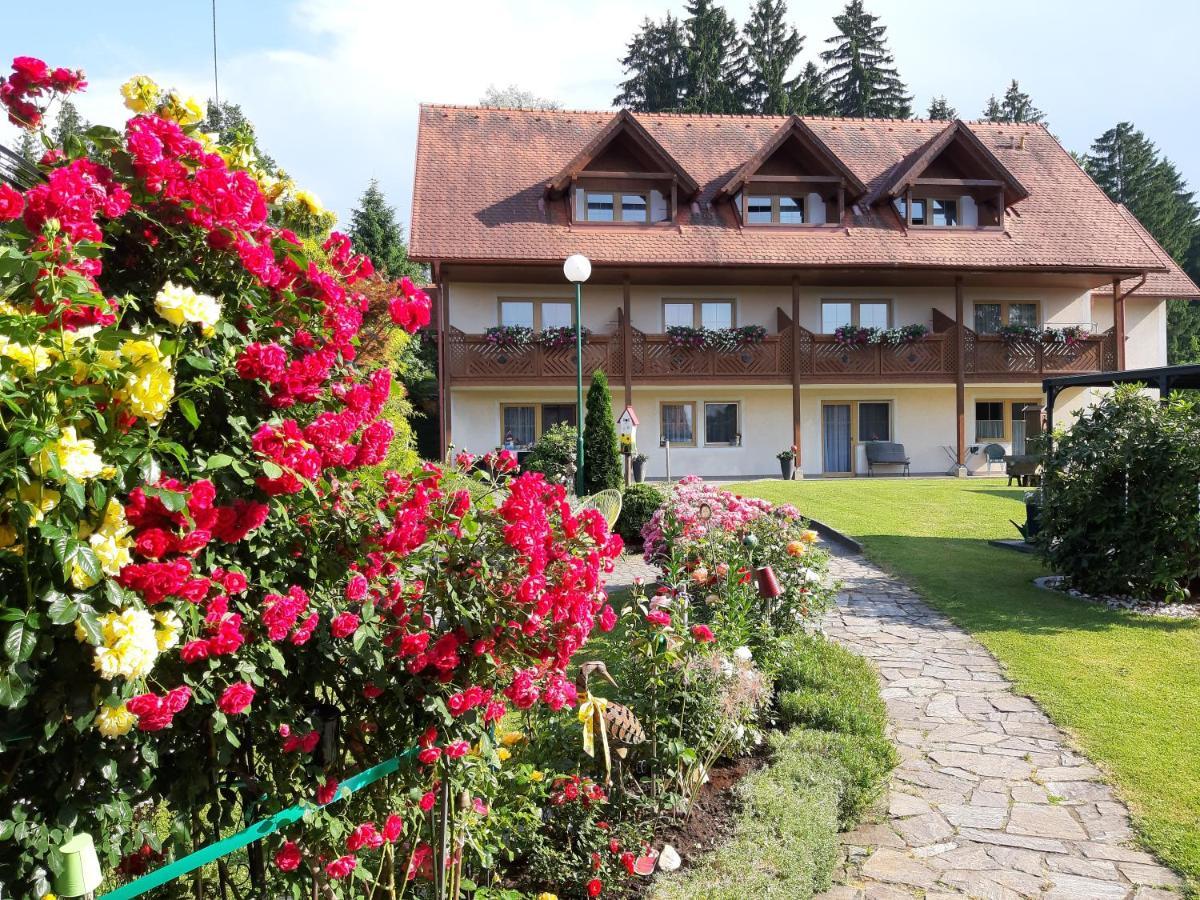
{"x": 886, "y": 453}
{"x": 995, "y": 454}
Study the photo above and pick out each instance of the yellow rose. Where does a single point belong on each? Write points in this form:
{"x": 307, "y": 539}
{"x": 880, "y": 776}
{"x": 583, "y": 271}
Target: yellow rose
{"x": 546, "y": 895}
{"x": 169, "y": 626}
{"x": 150, "y": 387}
{"x": 503, "y": 755}
{"x": 40, "y": 498}
{"x": 509, "y": 738}
{"x": 536, "y": 775}
{"x": 180, "y": 305}
{"x": 130, "y": 644}
{"x": 32, "y": 359}
{"x": 184, "y": 111}
{"x": 8, "y": 540}
{"x": 309, "y": 201}
{"x": 808, "y": 536}
{"x": 114, "y": 721}
{"x": 140, "y": 93}
{"x": 77, "y": 457}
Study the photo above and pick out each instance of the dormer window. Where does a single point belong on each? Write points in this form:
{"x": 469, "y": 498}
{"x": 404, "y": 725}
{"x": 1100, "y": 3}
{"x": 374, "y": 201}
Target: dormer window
{"x": 598, "y": 205}
{"x": 763, "y": 209}
{"x": 937, "y": 212}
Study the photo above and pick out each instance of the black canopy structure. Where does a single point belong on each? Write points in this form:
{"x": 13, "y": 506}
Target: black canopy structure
{"x": 1165, "y": 378}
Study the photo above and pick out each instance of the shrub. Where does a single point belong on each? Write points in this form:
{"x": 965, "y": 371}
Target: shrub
{"x": 860, "y": 763}
{"x": 824, "y": 686}
{"x": 637, "y": 506}
{"x": 1119, "y": 498}
{"x": 554, "y": 454}
{"x": 601, "y": 455}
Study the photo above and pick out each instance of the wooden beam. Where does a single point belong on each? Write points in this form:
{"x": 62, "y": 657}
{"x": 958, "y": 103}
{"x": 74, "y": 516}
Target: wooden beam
{"x": 796, "y": 430}
{"x": 630, "y": 175}
{"x": 795, "y": 179}
{"x": 959, "y": 182}
{"x": 627, "y": 341}
{"x": 444, "y": 367}
{"x": 1119, "y": 322}
{"x": 960, "y": 375}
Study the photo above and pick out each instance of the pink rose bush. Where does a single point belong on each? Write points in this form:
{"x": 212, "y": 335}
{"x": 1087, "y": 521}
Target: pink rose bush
{"x": 209, "y": 594}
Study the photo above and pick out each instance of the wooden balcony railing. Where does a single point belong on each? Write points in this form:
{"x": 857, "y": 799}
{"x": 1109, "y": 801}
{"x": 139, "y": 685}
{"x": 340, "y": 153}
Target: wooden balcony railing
{"x": 654, "y": 358}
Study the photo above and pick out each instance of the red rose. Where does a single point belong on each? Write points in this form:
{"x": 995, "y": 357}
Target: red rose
{"x": 608, "y": 618}
{"x": 356, "y": 588}
{"x": 371, "y": 691}
{"x": 327, "y": 790}
{"x": 659, "y": 617}
{"x": 288, "y": 857}
{"x": 365, "y": 835}
{"x": 457, "y": 750}
{"x": 11, "y": 203}
{"x": 341, "y": 867}
{"x": 344, "y": 625}
{"x": 194, "y": 651}
{"x": 393, "y": 828}
{"x": 429, "y": 756}
{"x": 236, "y": 698}
{"x": 154, "y": 543}
{"x": 703, "y": 634}
{"x": 594, "y": 887}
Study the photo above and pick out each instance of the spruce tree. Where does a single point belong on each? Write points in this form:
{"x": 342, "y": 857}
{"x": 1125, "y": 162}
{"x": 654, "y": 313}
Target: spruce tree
{"x": 862, "y": 76}
{"x": 69, "y": 124}
{"x": 771, "y": 49}
{"x": 716, "y": 63}
{"x": 29, "y": 147}
{"x": 1128, "y": 167}
{"x": 940, "y": 110}
{"x": 656, "y": 65}
{"x": 811, "y": 97}
{"x": 601, "y": 454}
{"x": 375, "y": 232}
{"x": 1016, "y": 107}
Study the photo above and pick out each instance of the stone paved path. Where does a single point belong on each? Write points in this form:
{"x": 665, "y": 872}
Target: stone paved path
{"x": 628, "y": 567}
{"x": 990, "y": 800}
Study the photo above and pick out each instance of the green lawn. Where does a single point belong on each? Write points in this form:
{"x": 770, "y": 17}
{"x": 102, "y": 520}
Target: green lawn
{"x": 1127, "y": 687}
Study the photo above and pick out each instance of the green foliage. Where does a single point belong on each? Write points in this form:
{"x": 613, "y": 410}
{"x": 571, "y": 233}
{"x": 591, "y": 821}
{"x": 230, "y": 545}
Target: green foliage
{"x": 823, "y": 686}
{"x": 69, "y": 125}
{"x": 771, "y": 49}
{"x": 1119, "y": 500}
{"x": 1015, "y": 107}
{"x": 656, "y": 63}
{"x": 862, "y": 76}
{"x": 376, "y": 234}
{"x": 860, "y": 763}
{"x": 716, "y": 66}
{"x": 639, "y": 504}
{"x": 234, "y": 130}
{"x": 601, "y": 455}
{"x": 941, "y": 110}
{"x": 554, "y": 454}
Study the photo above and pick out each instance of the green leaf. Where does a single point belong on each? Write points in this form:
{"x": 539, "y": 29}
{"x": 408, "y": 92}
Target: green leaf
{"x": 20, "y": 641}
{"x": 188, "y": 408}
{"x": 174, "y": 501}
{"x": 199, "y": 363}
{"x": 218, "y": 461}
{"x": 271, "y": 470}
{"x": 76, "y": 492}
{"x": 12, "y": 689}
{"x": 63, "y": 610}
{"x": 90, "y": 623}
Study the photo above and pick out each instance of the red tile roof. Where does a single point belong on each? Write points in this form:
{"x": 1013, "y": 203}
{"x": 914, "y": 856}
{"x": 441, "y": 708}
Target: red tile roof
{"x": 1173, "y": 284}
{"x": 481, "y": 177}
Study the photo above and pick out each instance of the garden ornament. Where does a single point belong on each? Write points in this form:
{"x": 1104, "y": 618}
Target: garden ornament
{"x": 768, "y": 584}
{"x": 668, "y": 859}
{"x": 599, "y": 714}
{"x": 80, "y": 874}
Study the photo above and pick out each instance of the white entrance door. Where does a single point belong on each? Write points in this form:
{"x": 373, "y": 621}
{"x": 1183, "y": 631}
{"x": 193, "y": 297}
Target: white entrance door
{"x": 835, "y": 439}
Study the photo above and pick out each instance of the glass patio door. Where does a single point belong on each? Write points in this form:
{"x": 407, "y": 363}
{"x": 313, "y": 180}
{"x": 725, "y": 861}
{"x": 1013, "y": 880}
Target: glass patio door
{"x": 835, "y": 439}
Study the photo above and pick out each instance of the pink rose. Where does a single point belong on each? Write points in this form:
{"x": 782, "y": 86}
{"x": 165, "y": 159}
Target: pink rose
{"x": 344, "y": 625}
{"x": 236, "y": 698}
{"x": 703, "y": 634}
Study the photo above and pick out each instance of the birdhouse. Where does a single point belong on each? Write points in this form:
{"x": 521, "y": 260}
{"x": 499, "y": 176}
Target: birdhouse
{"x": 627, "y": 424}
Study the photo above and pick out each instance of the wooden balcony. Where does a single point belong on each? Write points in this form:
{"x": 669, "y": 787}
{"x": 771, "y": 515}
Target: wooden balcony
{"x": 815, "y": 358}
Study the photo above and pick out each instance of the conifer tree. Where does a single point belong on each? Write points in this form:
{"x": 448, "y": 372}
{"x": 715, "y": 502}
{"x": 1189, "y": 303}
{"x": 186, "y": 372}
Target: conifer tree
{"x": 376, "y": 233}
{"x": 716, "y": 63}
{"x": 656, "y": 65}
{"x": 1014, "y": 108}
{"x": 29, "y": 147}
{"x": 1128, "y": 167}
{"x": 811, "y": 97}
{"x": 229, "y": 122}
{"x": 940, "y": 110}
{"x": 69, "y": 124}
{"x": 601, "y": 454}
{"x": 861, "y": 72}
{"x": 771, "y": 49}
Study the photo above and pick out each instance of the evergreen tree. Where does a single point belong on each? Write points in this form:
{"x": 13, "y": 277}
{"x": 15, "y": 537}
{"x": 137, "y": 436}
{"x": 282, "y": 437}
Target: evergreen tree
{"x": 863, "y": 80}
{"x": 771, "y": 48}
{"x": 69, "y": 124}
{"x": 601, "y": 453}
{"x": 229, "y": 123}
{"x": 29, "y": 147}
{"x": 1128, "y": 167}
{"x": 716, "y": 64}
{"x": 656, "y": 65}
{"x": 940, "y": 110}
{"x": 1015, "y": 107}
{"x": 513, "y": 97}
{"x": 375, "y": 233}
{"x": 811, "y": 97}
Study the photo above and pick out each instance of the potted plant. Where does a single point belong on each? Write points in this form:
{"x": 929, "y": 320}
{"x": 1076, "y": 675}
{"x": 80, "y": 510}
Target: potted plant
{"x": 639, "y": 467}
{"x": 787, "y": 462}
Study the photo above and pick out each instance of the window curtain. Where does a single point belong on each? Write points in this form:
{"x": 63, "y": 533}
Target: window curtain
{"x": 836, "y": 438}
{"x": 518, "y": 424}
{"x": 677, "y": 423}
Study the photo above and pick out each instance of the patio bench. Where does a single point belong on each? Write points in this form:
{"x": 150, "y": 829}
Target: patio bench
{"x": 886, "y": 453}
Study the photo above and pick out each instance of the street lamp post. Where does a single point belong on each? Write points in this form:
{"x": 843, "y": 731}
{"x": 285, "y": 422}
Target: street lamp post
{"x": 578, "y": 269}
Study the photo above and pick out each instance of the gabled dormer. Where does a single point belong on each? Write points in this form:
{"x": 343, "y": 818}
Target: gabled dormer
{"x": 794, "y": 180}
{"x": 623, "y": 177}
{"x": 954, "y": 181}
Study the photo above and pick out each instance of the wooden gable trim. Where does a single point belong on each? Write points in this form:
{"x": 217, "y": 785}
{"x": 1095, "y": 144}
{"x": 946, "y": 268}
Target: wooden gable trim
{"x": 793, "y": 126}
{"x": 957, "y": 130}
{"x": 622, "y": 122}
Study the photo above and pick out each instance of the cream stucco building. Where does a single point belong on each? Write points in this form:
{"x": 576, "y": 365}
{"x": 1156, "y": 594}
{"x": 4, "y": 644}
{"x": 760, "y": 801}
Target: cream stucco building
{"x": 971, "y": 260}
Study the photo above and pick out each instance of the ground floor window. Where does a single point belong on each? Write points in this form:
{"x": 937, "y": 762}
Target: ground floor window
{"x": 678, "y": 422}
{"x": 721, "y": 427}
{"x": 844, "y": 425}
{"x": 989, "y": 420}
{"x": 521, "y": 424}
{"x": 874, "y": 421}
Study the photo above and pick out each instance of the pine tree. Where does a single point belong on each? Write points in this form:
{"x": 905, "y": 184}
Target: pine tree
{"x": 811, "y": 97}
{"x": 716, "y": 64}
{"x": 1128, "y": 167}
{"x": 862, "y": 77}
{"x": 375, "y": 232}
{"x": 771, "y": 48}
{"x": 601, "y": 454}
{"x": 513, "y": 97}
{"x": 656, "y": 65}
{"x": 1014, "y": 108}
{"x": 940, "y": 110}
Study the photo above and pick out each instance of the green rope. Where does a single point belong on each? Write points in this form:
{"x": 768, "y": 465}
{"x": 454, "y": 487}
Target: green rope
{"x": 255, "y": 832}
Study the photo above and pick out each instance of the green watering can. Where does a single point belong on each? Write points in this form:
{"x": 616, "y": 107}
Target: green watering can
{"x": 81, "y": 868}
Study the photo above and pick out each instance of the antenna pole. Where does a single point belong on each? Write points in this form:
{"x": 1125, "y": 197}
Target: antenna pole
{"x": 216, "y": 83}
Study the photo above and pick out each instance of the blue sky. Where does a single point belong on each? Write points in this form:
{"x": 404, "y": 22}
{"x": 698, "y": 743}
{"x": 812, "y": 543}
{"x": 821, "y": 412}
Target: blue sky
{"x": 333, "y": 85}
